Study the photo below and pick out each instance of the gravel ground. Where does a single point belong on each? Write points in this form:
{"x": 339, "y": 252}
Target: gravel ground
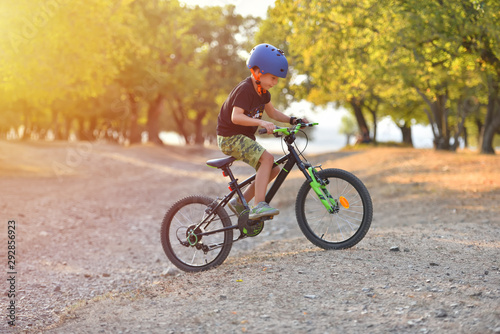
{"x": 89, "y": 259}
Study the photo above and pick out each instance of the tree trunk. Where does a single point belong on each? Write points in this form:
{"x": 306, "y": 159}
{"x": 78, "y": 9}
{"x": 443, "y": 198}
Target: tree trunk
{"x": 406, "y": 132}
{"x": 464, "y": 108}
{"x": 360, "y": 118}
{"x": 199, "y": 138}
{"x": 466, "y": 138}
{"x": 348, "y": 139}
{"x": 80, "y": 135}
{"x": 374, "y": 115}
{"x": 373, "y": 110}
{"x": 134, "y": 132}
{"x": 55, "y": 124}
{"x": 492, "y": 120}
{"x": 479, "y": 125}
{"x": 92, "y": 133}
{"x": 153, "y": 124}
{"x": 438, "y": 119}
{"x": 67, "y": 128}
{"x": 27, "y": 122}
{"x": 442, "y": 142}
{"x": 180, "y": 119}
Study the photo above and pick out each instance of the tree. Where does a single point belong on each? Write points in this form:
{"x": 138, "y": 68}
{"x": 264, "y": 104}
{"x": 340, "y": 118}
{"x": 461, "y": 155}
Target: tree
{"x": 444, "y": 53}
{"x": 275, "y": 30}
{"x": 118, "y": 64}
{"x": 220, "y": 66}
{"x": 347, "y": 128}
{"x": 481, "y": 39}
{"x": 335, "y": 45}
{"x": 158, "y": 40}
{"x": 447, "y": 45}
{"x": 59, "y": 52}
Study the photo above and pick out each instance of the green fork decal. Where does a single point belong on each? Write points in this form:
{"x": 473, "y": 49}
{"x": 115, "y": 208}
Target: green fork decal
{"x": 324, "y": 195}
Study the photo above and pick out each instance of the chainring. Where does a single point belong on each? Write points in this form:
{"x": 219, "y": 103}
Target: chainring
{"x": 250, "y": 228}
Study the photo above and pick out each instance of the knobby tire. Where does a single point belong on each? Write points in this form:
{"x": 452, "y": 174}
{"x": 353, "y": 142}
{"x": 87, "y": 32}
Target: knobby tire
{"x": 347, "y": 226}
{"x": 186, "y": 213}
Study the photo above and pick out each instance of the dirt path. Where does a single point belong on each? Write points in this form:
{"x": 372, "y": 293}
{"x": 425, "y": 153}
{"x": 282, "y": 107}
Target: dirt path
{"x": 89, "y": 257}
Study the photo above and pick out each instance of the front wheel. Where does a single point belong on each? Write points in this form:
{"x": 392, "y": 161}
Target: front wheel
{"x": 348, "y": 223}
{"x": 181, "y": 239}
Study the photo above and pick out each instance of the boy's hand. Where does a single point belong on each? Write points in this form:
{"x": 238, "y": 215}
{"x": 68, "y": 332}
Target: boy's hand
{"x": 305, "y": 120}
{"x": 301, "y": 120}
{"x": 268, "y": 126}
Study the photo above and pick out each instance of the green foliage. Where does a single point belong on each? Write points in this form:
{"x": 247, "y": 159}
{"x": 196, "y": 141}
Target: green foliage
{"x": 131, "y": 65}
{"x": 422, "y": 61}
{"x": 155, "y": 64}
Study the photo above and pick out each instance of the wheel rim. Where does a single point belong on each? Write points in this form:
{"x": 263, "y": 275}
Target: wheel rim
{"x": 190, "y": 251}
{"x": 345, "y": 222}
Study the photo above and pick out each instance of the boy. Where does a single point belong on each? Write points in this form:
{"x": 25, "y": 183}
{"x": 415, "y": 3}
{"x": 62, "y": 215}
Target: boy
{"x": 241, "y": 115}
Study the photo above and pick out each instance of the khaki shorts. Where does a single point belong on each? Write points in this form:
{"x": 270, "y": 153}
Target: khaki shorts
{"x": 242, "y": 148}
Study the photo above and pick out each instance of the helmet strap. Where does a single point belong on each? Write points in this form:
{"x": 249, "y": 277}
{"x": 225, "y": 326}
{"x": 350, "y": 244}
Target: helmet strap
{"x": 256, "y": 76}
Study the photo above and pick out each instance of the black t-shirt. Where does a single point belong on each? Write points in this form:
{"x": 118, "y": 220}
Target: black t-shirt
{"x": 245, "y": 97}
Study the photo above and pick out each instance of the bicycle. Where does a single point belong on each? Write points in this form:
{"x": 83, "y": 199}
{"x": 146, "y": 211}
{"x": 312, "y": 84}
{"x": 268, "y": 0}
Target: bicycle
{"x": 333, "y": 209}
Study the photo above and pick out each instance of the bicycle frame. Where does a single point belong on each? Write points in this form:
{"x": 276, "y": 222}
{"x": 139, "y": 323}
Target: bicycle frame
{"x": 235, "y": 188}
{"x": 290, "y": 160}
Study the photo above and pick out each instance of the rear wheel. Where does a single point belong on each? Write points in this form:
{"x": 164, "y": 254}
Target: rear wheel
{"x": 180, "y": 238}
{"x": 349, "y": 222}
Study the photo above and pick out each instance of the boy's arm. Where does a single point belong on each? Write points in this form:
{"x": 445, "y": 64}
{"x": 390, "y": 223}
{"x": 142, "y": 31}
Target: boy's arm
{"x": 278, "y": 115}
{"x": 238, "y": 117}
{"x": 275, "y": 114}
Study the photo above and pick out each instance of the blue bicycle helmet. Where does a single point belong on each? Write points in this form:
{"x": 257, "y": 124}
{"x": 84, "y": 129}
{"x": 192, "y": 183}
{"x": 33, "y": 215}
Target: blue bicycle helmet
{"x": 269, "y": 59}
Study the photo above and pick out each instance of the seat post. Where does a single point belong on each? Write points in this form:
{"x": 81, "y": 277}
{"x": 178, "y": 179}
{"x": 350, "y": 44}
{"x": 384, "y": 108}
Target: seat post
{"x": 229, "y": 173}
{"x": 233, "y": 185}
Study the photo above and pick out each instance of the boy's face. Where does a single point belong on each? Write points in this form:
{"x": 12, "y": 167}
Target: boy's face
{"x": 268, "y": 81}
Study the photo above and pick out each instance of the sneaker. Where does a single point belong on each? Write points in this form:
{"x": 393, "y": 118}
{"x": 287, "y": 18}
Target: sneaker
{"x": 235, "y": 206}
{"x": 262, "y": 210}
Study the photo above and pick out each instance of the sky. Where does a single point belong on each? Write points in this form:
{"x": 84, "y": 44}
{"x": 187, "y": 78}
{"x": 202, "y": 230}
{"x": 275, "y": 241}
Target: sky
{"x": 243, "y": 7}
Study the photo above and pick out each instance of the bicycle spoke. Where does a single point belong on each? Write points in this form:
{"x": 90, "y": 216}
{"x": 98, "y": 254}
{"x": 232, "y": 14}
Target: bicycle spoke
{"x": 340, "y": 230}
{"x": 347, "y": 224}
{"x": 191, "y": 251}
{"x": 194, "y": 255}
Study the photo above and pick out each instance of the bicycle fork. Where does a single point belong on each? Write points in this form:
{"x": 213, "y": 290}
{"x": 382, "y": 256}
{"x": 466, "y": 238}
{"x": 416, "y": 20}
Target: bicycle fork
{"x": 319, "y": 187}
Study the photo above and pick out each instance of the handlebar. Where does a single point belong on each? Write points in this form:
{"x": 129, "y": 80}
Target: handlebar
{"x": 287, "y": 131}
